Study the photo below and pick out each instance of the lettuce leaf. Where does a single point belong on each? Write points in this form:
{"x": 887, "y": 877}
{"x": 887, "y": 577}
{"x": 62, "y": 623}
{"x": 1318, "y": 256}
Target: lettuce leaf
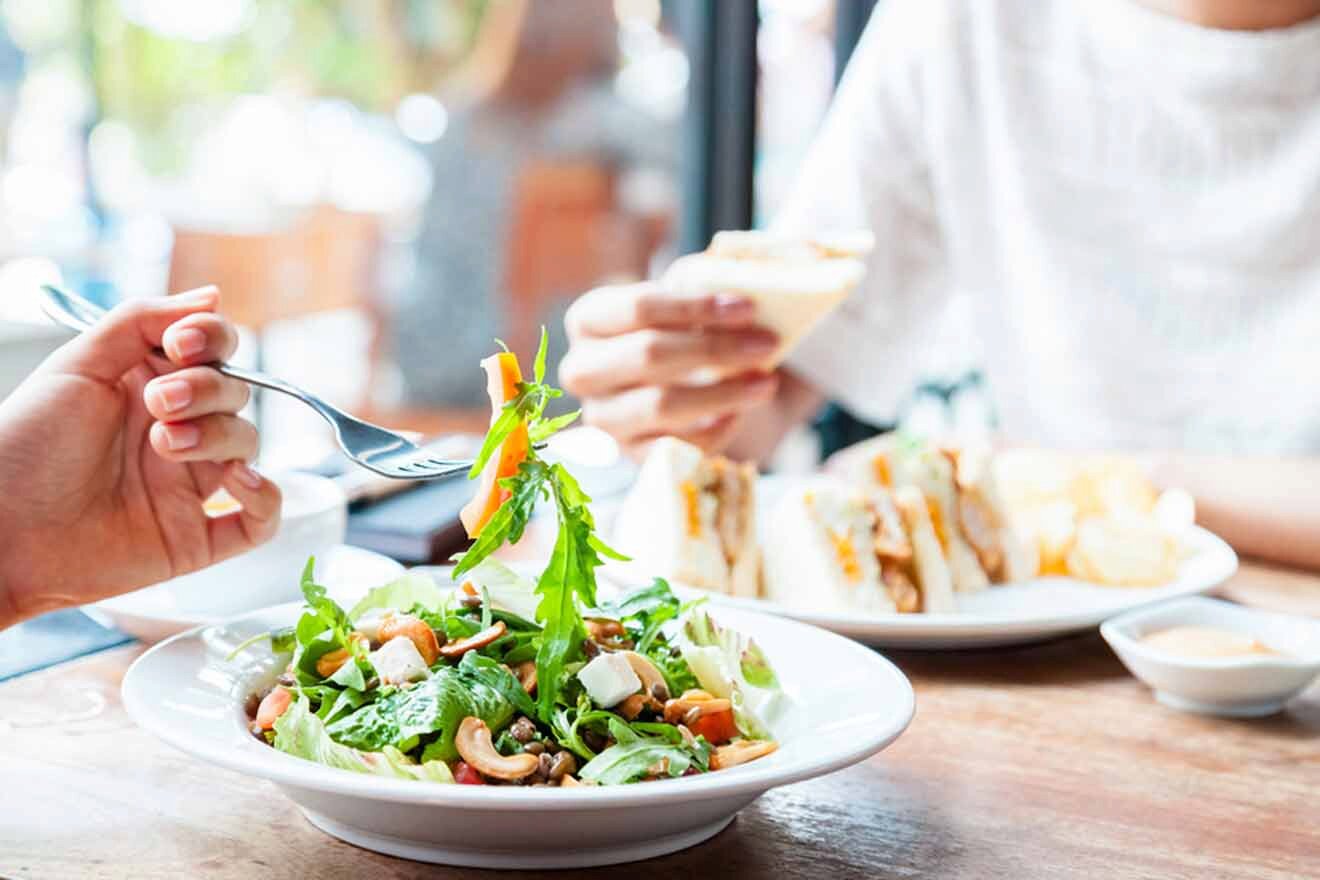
{"x": 300, "y": 733}
{"x": 401, "y": 594}
{"x": 630, "y": 761}
{"x": 508, "y": 589}
{"x": 730, "y": 665}
{"x": 478, "y": 686}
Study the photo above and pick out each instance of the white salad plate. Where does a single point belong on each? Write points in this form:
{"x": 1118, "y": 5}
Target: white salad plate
{"x": 1004, "y": 614}
{"x": 845, "y": 704}
{"x": 156, "y": 613}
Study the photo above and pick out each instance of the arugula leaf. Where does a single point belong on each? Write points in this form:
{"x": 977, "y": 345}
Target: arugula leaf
{"x": 485, "y": 608}
{"x": 678, "y": 674}
{"x": 571, "y": 572}
{"x": 543, "y": 428}
{"x": 507, "y": 524}
{"x": 644, "y": 612}
{"x": 538, "y": 365}
{"x": 282, "y": 641}
{"x": 322, "y": 611}
{"x": 513, "y": 413}
{"x": 563, "y": 631}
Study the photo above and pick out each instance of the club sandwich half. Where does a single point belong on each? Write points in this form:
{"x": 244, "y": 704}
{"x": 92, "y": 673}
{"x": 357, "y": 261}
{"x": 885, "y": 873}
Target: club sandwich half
{"x": 691, "y": 518}
{"x": 833, "y": 548}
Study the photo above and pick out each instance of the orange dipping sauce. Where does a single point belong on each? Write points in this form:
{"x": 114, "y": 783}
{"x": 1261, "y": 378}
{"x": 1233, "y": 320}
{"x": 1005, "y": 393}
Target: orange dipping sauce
{"x": 1205, "y": 643}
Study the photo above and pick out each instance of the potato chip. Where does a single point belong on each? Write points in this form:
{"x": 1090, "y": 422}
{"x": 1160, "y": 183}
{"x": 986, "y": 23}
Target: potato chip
{"x": 1124, "y": 551}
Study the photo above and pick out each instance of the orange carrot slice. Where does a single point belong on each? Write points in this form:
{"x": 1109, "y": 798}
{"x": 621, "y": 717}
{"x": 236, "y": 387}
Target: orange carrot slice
{"x": 502, "y": 378}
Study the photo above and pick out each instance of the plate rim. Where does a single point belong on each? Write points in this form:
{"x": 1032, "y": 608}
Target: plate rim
{"x": 974, "y": 627}
{"x": 122, "y": 604}
{"x": 288, "y": 770}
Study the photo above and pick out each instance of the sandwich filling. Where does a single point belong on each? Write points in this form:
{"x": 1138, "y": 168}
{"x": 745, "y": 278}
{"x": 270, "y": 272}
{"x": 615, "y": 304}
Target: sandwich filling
{"x": 718, "y": 498}
{"x": 869, "y": 544}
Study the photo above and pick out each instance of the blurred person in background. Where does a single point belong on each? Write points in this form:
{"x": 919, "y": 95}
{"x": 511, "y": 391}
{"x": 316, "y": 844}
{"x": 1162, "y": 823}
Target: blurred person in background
{"x": 1126, "y": 190}
{"x": 108, "y": 451}
{"x": 533, "y": 104}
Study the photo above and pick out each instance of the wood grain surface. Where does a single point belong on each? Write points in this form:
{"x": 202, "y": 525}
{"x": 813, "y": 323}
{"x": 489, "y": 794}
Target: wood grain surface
{"x": 1038, "y": 762}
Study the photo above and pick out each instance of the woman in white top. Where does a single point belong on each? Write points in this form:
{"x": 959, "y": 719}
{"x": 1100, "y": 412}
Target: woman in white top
{"x": 1129, "y": 195}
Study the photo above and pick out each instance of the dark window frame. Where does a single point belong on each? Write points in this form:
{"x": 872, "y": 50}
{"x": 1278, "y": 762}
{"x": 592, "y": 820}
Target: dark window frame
{"x": 719, "y": 138}
{"x": 719, "y": 126}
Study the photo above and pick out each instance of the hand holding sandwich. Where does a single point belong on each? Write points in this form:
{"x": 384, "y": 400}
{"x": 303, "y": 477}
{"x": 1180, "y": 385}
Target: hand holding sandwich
{"x": 637, "y": 354}
{"x": 696, "y": 355}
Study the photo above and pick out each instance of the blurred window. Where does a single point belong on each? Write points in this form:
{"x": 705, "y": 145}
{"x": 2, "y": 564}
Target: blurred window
{"x": 380, "y": 187}
{"x": 383, "y": 187}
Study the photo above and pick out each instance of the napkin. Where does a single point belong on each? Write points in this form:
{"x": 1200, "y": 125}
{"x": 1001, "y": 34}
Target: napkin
{"x": 53, "y": 638}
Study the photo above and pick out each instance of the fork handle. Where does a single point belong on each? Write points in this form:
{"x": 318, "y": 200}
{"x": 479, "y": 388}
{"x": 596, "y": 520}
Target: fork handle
{"x": 254, "y": 377}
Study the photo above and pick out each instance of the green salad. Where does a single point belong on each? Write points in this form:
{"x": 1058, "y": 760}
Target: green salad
{"x": 509, "y": 681}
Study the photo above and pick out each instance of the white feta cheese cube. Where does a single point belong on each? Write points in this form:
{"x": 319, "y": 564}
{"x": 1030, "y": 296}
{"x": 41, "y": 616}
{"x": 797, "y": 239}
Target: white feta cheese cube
{"x": 369, "y": 624}
{"x": 608, "y": 679}
{"x": 398, "y": 661}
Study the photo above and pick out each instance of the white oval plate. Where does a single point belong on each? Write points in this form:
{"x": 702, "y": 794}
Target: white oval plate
{"x": 848, "y": 704}
{"x": 153, "y": 613}
{"x": 1005, "y": 614}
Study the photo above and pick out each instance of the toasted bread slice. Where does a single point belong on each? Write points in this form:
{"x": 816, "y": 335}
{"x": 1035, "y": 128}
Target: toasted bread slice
{"x": 793, "y": 282}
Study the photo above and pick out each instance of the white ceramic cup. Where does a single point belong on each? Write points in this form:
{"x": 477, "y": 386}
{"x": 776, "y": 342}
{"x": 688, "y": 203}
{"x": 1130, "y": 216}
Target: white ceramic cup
{"x": 314, "y": 519}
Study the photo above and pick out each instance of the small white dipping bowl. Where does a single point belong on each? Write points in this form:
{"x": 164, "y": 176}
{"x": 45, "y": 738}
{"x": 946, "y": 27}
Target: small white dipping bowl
{"x": 1249, "y": 686}
{"x": 314, "y": 518}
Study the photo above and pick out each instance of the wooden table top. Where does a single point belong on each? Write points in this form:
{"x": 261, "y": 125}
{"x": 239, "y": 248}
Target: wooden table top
{"x": 1045, "y": 761}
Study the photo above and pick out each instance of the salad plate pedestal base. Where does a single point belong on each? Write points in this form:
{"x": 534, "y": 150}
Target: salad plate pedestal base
{"x": 573, "y": 855}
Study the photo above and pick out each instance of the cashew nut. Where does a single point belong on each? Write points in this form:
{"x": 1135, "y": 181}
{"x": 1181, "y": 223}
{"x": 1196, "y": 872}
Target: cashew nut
{"x": 645, "y": 670}
{"x": 455, "y": 650}
{"x": 652, "y": 683}
{"x": 606, "y": 631}
{"x": 474, "y": 746}
{"x": 526, "y": 675}
{"x": 416, "y": 630}
{"x": 741, "y": 752}
{"x": 632, "y": 706}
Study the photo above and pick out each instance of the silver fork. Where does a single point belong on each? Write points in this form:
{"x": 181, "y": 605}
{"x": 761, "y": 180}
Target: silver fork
{"x": 374, "y": 448}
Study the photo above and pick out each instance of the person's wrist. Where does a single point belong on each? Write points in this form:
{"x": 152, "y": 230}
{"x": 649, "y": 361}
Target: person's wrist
{"x": 16, "y": 600}
{"x": 9, "y": 614}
